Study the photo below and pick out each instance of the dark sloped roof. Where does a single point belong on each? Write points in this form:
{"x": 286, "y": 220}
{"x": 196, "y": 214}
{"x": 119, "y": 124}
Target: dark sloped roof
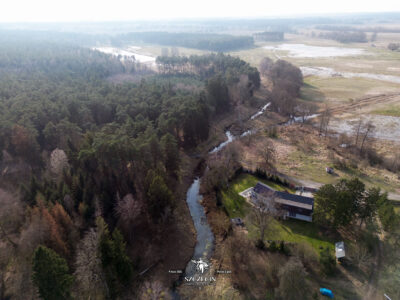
{"x": 295, "y": 198}
{"x": 260, "y": 188}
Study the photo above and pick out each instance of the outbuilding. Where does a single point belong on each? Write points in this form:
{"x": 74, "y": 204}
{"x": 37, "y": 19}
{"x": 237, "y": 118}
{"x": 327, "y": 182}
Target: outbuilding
{"x": 339, "y": 250}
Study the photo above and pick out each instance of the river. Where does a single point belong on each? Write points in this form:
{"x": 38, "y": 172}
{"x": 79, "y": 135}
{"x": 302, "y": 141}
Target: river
{"x": 231, "y": 137}
{"x": 205, "y": 237}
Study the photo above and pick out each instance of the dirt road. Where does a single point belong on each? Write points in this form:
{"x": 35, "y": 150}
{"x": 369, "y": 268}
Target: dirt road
{"x": 316, "y": 185}
{"x": 367, "y": 101}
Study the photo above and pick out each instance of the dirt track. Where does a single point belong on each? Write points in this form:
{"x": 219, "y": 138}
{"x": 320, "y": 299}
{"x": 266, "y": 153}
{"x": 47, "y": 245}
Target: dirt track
{"x": 367, "y": 101}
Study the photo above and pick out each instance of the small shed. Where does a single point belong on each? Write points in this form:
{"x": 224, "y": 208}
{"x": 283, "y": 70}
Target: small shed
{"x": 329, "y": 170}
{"x": 339, "y": 250}
{"x": 237, "y": 221}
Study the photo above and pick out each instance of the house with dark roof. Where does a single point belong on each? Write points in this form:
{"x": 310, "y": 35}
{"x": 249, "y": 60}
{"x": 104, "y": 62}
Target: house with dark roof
{"x": 290, "y": 205}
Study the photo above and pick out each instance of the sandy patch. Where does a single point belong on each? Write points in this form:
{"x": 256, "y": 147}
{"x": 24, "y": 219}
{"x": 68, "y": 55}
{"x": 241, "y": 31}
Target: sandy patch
{"x": 301, "y": 50}
{"x": 329, "y": 72}
{"x": 360, "y": 66}
{"x": 393, "y": 69}
{"x": 386, "y": 127}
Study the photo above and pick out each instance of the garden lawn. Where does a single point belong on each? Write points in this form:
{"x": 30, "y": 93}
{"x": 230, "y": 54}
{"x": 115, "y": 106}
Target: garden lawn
{"x": 294, "y": 231}
{"x": 236, "y": 205}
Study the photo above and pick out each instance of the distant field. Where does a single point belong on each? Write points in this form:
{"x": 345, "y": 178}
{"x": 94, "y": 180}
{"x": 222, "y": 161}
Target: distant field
{"x": 311, "y": 166}
{"x": 393, "y": 111}
{"x": 339, "y": 89}
{"x": 374, "y": 60}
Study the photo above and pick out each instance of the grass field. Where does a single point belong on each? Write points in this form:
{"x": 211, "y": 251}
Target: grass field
{"x": 376, "y": 60}
{"x": 393, "y": 111}
{"x": 339, "y": 89}
{"x": 311, "y": 166}
{"x": 294, "y": 231}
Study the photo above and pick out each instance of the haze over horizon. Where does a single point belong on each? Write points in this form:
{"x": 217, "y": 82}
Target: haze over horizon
{"x": 122, "y": 10}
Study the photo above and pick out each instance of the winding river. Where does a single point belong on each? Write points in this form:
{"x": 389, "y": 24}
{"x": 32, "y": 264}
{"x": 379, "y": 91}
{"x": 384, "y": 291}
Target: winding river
{"x": 205, "y": 237}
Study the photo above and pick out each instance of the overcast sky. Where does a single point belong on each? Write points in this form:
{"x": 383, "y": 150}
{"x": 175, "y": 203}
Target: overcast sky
{"x": 118, "y": 10}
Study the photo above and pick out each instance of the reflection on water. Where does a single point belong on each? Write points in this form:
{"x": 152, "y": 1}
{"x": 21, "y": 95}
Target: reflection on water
{"x": 128, "y": 52}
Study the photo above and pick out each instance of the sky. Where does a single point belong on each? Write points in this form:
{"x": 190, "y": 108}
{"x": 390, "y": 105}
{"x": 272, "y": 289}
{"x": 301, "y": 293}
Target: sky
{"x": 130, "y": 10}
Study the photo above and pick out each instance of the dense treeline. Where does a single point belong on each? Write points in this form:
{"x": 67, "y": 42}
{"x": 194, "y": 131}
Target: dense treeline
{"x": 104, "y": 161}
{"x": 50, "y": 35}
{"x": 286, "y": 80}
{"x": 348, "y": 201}
{"x": 345, "y": 36}
{"x": 210, "y": 65}
{"x": 203, "y": 41}
{"x": 270, "y": 36}
{"x": 362, "y": 29}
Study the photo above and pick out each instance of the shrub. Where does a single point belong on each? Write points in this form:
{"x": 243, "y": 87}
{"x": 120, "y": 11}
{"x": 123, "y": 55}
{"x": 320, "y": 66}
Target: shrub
{"x": 273, "y": 247}
{"x": 328, "y": 262}
{"x": 260, "y": 244}
{"x": 306, "y": 253}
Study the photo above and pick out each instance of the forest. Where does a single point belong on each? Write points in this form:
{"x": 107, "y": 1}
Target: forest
{"x": 345, "y": 36}
{"x": 203, "y": 41}
{"x": 94, "y": 166}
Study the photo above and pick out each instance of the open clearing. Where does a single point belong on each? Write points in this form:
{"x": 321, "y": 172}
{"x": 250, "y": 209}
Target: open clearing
{"x": 294, "y": 231}
{"x": 340, "y": 72}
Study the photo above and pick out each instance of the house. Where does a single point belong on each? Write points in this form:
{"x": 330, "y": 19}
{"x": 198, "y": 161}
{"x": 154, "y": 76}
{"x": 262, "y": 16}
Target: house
{"x": 339, "y": 250}
{"x": 291, "y": 205}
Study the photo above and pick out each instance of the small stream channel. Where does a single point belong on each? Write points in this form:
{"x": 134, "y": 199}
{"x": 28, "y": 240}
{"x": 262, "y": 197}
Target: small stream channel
{"x": 205, "y": 238}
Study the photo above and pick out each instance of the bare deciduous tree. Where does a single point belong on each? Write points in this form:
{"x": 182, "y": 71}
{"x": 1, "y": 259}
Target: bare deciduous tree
{"x": 367, "y": 132}
{"x": 357, "y": 129}
{"x": 268, "y": 153}
{"x": 174, "y": 51}
{"x": 11, "y": 215}
{"x": 359, "y": 254}
{"x": 324, "y": 121}
{"x": 263, "y": 210}
{"x": 154, "y": 290}
{"x": 89, "y": 273}
{"x": 35, "y": 232}
{"x": 127, "y": 210}
{"x": 265, "y": 65}
{"x": 305, "y": 110}
{"x": 58, "y": 162}
{"x": 292, "y": 282}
